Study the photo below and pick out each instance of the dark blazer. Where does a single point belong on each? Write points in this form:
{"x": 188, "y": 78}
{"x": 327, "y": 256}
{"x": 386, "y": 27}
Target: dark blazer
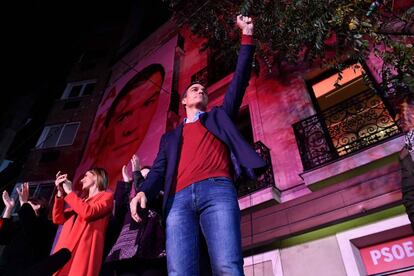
{"x": 220, "y": 122}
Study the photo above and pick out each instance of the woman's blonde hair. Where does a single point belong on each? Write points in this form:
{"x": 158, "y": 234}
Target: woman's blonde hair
{"x": 101, "y": 178}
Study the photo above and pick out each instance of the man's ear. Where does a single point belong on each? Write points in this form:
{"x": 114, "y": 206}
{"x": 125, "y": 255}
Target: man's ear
{"x": 184, "y": 101}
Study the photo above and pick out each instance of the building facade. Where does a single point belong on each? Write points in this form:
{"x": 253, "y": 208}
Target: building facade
{"x": 330, "y": 202}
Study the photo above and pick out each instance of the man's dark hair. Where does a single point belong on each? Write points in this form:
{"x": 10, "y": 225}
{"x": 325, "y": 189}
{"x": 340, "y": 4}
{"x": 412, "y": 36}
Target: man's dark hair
{"x": 142, "y": 76}
{"x": 186, "y": 89}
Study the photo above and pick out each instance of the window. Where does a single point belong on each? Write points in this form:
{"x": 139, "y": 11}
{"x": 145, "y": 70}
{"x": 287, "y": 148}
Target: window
{"x": 79, "y": 89}
{"x": 328, "y": 93}
{"x": 350, "y": 117}
{"x": 355, "y": 116}
{"x": 58, "y": 135}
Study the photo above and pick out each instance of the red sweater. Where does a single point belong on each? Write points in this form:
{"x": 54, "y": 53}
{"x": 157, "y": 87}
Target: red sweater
{"x": 202, "y": 156}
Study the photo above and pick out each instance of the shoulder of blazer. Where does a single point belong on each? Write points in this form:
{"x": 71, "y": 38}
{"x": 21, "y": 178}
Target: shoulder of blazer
{"x": 105, "y": 195}
{"x": 174, "y": 133}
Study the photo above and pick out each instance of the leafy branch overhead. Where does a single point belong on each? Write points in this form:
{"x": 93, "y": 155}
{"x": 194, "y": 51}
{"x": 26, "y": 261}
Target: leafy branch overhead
{"x": 306, "y": 31}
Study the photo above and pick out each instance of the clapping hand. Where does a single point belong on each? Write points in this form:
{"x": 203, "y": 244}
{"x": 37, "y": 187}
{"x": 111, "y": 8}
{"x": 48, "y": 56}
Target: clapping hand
{"x": 63, "y": 183}
{"x": 8, "y": 202}
{"x": 135, "y": 164}
{"x": 125, "y": 174}
{"x": 23, "y": 192}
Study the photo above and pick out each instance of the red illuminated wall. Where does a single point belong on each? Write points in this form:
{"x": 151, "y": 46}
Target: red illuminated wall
{"x": 132, "y": 114}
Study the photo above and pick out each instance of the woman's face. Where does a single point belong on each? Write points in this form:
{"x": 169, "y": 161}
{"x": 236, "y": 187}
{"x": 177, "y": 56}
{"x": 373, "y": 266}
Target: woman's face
{"x": 89, "y": 180}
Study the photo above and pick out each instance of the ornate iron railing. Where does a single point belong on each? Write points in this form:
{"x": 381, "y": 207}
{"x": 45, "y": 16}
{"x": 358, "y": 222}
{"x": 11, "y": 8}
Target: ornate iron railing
{"x": 345, "y": 128}
{"x": 265, "y": 180}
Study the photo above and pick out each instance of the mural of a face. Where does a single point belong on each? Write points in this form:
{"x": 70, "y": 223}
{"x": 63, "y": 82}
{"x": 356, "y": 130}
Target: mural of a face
{"x": 126, "y": 122}
{"x": 132, "y": 115}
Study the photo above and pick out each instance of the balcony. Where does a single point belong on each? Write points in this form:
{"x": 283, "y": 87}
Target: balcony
{"x": 266, "y": 180}
{"x": 343, "y": 129}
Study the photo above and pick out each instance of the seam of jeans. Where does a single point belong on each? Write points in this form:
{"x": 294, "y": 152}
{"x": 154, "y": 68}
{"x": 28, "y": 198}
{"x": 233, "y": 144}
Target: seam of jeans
{"x": 194, "y": 197}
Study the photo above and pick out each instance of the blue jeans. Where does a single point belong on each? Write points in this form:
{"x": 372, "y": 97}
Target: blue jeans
{"x": 212, "y": 205}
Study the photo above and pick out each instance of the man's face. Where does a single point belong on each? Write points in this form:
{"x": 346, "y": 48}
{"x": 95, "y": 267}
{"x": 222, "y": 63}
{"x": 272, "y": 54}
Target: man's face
{"x": 196, "y": 97}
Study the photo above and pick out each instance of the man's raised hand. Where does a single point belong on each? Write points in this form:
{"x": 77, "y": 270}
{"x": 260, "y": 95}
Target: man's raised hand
{"x": 245, "y": 24}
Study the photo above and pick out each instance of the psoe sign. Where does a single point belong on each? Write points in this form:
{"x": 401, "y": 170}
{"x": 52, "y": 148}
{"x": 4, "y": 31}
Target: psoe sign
{"x": 388, "y": 256}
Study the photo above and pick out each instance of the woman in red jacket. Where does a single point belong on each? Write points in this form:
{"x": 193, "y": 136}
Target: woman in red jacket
{"x": 84, "y": 220}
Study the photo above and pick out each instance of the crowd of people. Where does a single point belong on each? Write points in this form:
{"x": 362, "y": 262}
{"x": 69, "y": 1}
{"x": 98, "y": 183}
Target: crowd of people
{"x": 97, "y": 230}
{"x": 180, "y": 216}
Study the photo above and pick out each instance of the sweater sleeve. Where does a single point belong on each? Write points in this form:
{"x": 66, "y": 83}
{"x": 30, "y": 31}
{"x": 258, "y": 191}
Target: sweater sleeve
{"x": 91, "y": 211}
{"x": 247, "y": 40}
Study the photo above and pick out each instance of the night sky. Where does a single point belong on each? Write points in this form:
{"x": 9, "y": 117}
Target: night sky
{"x": 42, "y": 40}
{"x": 42, "y": 36}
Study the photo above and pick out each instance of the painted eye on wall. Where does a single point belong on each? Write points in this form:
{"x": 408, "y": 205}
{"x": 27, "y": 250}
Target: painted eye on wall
{"x": 148, "y": 102}
{"x": 123, "y": 115}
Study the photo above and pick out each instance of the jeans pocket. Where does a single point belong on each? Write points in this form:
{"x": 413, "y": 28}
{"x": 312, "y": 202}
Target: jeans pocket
{"x": 223, "y": 185}
{"x": 222, "y": 180}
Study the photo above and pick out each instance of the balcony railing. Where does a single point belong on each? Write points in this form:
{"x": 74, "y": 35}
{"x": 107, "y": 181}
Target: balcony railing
{"x": 248, "y": 186}
{"x": 348, "y": 127}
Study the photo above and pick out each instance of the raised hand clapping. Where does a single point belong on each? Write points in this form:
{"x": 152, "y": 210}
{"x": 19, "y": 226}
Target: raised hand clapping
{"x": 8, "y": 202}
{"x": 23, "y": 192}
{"x": 62, "y": 182}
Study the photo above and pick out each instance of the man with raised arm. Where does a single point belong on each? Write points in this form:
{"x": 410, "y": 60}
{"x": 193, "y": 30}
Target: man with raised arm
{"x": 195, "y": 166}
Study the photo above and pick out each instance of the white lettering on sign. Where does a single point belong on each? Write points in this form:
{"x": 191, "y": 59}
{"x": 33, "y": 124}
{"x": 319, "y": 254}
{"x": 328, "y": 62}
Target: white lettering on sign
{"x": 395, "y": 252}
